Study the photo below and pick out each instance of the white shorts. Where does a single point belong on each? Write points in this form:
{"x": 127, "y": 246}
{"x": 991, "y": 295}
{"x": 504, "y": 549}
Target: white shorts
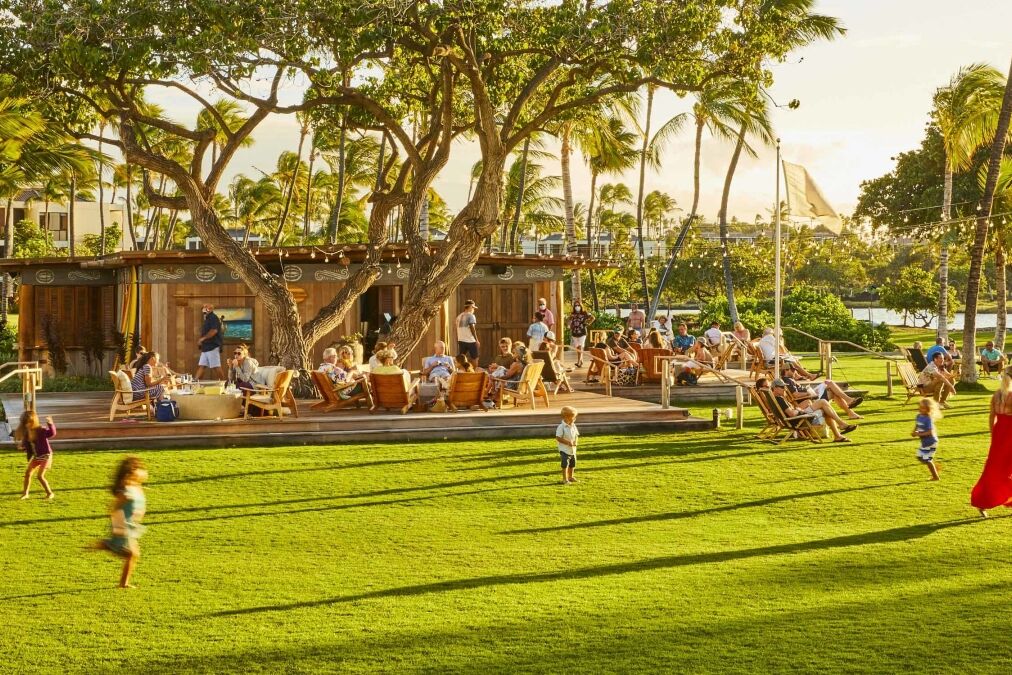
{"x": 211, "y": 359}
{"x": 577, "y": 342}
{"x": 927, "y": 454}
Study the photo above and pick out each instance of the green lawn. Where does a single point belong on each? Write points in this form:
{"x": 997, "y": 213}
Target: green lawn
{"x": 703, "y": 552}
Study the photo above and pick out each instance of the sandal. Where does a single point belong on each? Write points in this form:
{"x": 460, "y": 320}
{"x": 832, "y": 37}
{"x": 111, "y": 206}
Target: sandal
{"x": 841, "y": 439}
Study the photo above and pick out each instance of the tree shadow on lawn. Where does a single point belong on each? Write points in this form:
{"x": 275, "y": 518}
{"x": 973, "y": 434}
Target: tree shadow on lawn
{"x": 679, "y": 515}
{"x": 265, "y": 472}
{"x": 892, "y": 535}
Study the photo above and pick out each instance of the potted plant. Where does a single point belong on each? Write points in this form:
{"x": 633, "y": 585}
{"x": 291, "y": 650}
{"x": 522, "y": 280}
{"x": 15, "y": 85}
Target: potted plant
{"x": 355, "y": 342}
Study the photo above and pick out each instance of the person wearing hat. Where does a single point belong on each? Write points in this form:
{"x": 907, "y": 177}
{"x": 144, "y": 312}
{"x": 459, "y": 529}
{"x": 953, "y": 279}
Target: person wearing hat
{"x": 536, "y": 331}
{"x": 467, "y": 332}
{"x": 662, "y": 326}
{"x": 823, "y": 411}
{"x": 619, "y": 349}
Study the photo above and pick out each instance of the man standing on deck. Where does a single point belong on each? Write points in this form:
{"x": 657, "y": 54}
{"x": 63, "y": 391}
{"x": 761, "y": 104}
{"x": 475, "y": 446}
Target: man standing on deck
{"x": 210, "y": 343}
{"x": 467, "y": 333}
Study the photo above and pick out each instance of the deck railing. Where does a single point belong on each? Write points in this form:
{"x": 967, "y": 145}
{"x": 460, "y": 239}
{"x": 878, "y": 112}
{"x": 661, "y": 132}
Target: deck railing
{"x": 31, "y": 379}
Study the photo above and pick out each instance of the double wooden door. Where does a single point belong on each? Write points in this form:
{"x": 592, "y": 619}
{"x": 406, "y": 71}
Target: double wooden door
{"x": 503, "y": 311}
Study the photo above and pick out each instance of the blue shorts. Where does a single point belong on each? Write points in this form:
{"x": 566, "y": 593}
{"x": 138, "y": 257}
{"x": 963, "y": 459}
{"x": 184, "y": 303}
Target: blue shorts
{"x": 469, "y": 348}
{"x": 568, "y": 461}
{"x": 926, "y": 454}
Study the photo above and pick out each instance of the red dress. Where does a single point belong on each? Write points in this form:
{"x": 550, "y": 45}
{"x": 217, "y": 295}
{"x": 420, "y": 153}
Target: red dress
{"x": 995, "y": 485}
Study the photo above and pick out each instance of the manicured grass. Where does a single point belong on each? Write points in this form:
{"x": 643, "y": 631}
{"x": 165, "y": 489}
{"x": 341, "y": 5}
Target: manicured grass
{"x": 703, "y": 552}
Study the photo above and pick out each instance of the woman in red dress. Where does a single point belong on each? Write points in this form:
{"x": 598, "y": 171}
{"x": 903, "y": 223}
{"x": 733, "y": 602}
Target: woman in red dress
{"x": 995, "y": 485}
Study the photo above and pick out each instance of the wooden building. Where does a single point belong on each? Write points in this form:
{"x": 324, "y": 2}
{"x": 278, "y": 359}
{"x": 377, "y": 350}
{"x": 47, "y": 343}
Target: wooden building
{"x": 159, "y": 295}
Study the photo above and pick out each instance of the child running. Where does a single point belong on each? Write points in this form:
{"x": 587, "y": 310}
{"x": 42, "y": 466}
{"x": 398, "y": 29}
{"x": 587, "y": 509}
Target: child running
{"x": 567, "y": 436}
{"x": 126, "y": 516}
{"x": 924, "y": 428}
{"x": 34, "y": 440}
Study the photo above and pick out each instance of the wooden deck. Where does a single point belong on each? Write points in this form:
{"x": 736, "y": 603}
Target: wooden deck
{"x": 82, "y": 422}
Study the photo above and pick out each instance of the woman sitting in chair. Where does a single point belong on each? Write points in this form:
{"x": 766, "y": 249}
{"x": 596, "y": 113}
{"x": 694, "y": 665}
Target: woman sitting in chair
{"x": 242, "y": 367}
{"x": 388, "y": 367}
{"x": 144, "y": 378}
{"x": 655, "y": 341}
{"x": 339, "y": 365}
{"x": 138, "y": 353}
{"x": 463, "y": 363}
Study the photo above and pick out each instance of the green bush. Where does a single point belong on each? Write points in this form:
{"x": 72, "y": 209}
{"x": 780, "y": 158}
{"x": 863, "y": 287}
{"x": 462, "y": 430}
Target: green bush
{"x": 62, "y": 383}
{"x": 604, "y": 320}
{"x": 814, "y": 311}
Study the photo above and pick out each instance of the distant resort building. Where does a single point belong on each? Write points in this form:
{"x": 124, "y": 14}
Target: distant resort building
{"x": 30, "y": 204}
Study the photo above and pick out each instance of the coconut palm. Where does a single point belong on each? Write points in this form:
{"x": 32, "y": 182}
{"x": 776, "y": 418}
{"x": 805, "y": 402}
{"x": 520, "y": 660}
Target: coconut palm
{"x": 968, "y": 369}
{"x": 255, "y": 203}
{"x": 231, "y": 113}
{"x": 296, "y": 165}
{"x": 353, "y": 162}
{"x": 756, "y": 124}
{"x": 966, "y": 111}
{"x": 656, "y": 206}
{"x": 999, "y": 244}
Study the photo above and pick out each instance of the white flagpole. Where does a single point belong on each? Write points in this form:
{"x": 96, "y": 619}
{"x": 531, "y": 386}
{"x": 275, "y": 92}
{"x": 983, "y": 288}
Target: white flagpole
{"x": 778, "y": 291}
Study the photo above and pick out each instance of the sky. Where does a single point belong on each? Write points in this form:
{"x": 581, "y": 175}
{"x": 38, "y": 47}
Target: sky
{"x": 864, "y": 98}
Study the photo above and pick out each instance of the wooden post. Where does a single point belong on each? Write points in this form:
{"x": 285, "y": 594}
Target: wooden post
{"x": 827, "y": 350}
{"x": 665, "y": 384}
{"x": 889, "y": 379}
{"x": 739, "y": 403}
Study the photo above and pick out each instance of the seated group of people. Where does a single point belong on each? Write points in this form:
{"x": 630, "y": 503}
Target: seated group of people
{"x": 796, "y": 397}
{"x": 938, "y": 378}
{"x": 150, "y": 373}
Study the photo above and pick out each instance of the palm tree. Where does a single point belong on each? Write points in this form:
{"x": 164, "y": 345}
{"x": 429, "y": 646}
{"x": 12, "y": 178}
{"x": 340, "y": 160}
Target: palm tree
{"x": 999, "y": 243}
{"x": 609, "y": 148}
{"x": 656, "y": 206}
{"x": 353, "y": 162}
{"x": 757, "y": 123}
{"x": 233, "y": 116}
{"x": 535, "y": 195}
{"x": 968, "y": 370}
{"x": 304, "y": 127}
{"x": 966, "y": 112}
{"x": 650, "y": 153}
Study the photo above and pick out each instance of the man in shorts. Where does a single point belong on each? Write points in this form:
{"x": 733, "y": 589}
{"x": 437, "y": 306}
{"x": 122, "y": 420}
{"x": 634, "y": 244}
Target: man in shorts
{"x": 467, "y": 332}
{"x": 991, "y": 360}
{"x": 210, "y": 343}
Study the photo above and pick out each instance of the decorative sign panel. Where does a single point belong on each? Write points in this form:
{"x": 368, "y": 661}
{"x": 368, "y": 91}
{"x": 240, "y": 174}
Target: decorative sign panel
{"x": 68, "y": 276}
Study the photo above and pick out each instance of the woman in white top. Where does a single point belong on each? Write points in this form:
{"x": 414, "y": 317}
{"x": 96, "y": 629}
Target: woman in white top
{"x": 536, "y": 332}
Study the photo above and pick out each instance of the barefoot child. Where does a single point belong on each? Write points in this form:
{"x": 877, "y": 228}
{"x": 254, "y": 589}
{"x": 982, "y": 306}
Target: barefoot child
{"x": 34, "y": 439}
{"x": 127, "y": 513}
{"x": 924, "y": 428}
{"x": 567, "y": 436}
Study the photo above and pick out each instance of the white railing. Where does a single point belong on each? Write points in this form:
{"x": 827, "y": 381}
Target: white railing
{"x": 31, "y": 380}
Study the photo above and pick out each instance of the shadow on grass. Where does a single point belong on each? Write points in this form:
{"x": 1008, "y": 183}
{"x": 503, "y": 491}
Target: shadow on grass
{"x": 73, "y": 591}
{"x": 679, "y": 515}
{"x": 893, "y": 535}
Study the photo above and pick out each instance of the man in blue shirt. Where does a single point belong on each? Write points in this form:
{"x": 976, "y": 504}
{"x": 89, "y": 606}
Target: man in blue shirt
{"x": 683, "y": 341}
{"x": 939, "y": 346}
{"x": 991, "y": 360}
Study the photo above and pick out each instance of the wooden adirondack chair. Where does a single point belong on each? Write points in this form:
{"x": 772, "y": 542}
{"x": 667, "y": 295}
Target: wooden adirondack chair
{"x": 331, "y": 393}
{"x": 528, "y": 388}
{"x": 759, "y": 366}
{"x": 723, "y": 355}
{"x": 123, "y": 403}
{"x": 467, "y": 390}
{"x": 599, "y": 369}
{"x": 909, "y": 378}
{"x": 917, "y": 358}
{"x": 266, "y": 378}
{"x": 802, "y": 424}
{"x": 772, "y": 428}
{"x": 550, "y": 374}
{"x": 652, "y": 373}
{"x": 390, "y": 392}
{"x": 270, "y": 399}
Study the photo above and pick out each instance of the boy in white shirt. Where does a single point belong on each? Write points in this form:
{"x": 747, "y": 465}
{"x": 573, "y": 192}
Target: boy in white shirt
{"x": 566, "y": 437}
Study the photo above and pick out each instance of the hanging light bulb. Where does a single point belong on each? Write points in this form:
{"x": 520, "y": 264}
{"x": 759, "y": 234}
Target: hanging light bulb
{"x": 326, "y": 259}
{"x": 390, "y": 270}
{"x": 906, "y": 219}
{"x": 312, "y": 254}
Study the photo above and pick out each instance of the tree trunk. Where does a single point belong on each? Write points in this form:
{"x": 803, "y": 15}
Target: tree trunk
{"x": 968, "y": 367}
{"x": 676, "y": 249}
{"x": 943, "y": 259}
{"x": 291, "y": 188}
{"x": 335, "y": 213}
{"x": 423, "y": 219}
{"x": 639, "y": 198}
{"x": 1001, "y": 291}
{"x": 9, "y": 229}
{"x": 726, "y": 252}
{"x": 433, "y": 278}
{"x": 590, "y": 240}
{"x": 101, "y": 194}
{"x": 514, "y": 240}
{"x": 71, "y": 212}
{"x": 309, "y": 188}
{"x": 130, "y": 208}
{"x": 567, "y": 198}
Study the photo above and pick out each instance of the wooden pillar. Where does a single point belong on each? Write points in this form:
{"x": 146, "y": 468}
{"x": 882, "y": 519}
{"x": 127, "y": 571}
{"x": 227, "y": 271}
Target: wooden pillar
{"x": 26, "y": 322}
{"x": 889, "y": 379}
{"x": 739, "y": 403}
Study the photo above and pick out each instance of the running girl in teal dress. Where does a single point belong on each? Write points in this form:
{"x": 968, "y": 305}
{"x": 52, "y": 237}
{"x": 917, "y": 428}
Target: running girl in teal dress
{"x": 127, "y": 513}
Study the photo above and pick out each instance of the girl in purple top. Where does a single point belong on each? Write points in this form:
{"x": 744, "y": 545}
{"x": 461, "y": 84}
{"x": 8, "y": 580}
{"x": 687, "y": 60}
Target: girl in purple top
{"x": 34, "y": 440}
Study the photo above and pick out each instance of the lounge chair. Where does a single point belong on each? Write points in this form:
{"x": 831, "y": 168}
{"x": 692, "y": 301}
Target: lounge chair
{"x": 391, "y": 393}
{"x": 526, "y": 389}
{"x": 759, "y": 365}
{"x": 599, "y": 370}
{"x": 467, "y": 390}
{"x": 773, "y": 427}
{"x": 800, "y": 424}
{"x": 273, "y": 399}
{"x": 123, "y": 403}
{"x": 910, "y": 380}
{"x": 917, "y": 358}
{"x": 652, "y": 371}
{"x": 550, "y": 374}
{"x": 265, "y": 377}
{"x": 331, "y": 393}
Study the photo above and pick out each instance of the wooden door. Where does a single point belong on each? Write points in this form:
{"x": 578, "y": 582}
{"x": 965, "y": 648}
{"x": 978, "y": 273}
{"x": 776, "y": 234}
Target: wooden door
{"x": 514, "y": 311}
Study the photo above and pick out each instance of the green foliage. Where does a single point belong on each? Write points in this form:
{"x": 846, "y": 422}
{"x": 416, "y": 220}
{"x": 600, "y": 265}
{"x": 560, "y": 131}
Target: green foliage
{"x": 62, "y": 383}
{"x": 915, "y": 293}
{"x": 91, "y": 244}
{"x": 814, "y": 311}
{"x": 606, "y": 321}
{"x": 31, "y": 241}
{"x": 52, "y": 338}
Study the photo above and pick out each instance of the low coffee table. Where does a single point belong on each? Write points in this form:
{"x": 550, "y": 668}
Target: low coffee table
{"x": 209, "y": 406}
